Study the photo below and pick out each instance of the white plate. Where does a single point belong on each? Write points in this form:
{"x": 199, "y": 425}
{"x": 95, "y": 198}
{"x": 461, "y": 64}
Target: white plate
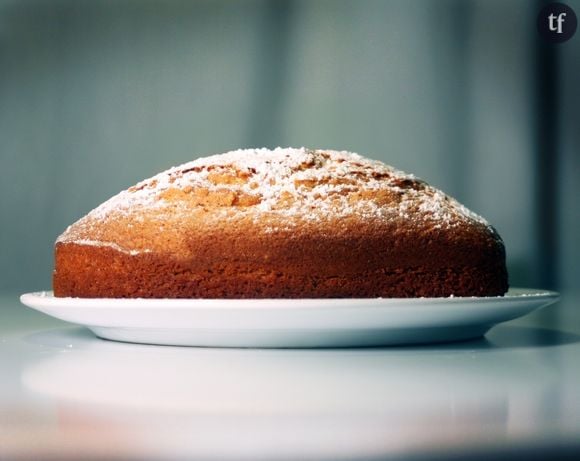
{"x": 290, "y": 322}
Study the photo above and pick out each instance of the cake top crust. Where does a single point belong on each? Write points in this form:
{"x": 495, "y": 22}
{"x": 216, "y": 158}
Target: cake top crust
{"x": 273, "y": 188}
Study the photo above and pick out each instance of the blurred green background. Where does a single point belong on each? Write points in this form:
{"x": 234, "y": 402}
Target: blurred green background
{"x": 96, "y": 95}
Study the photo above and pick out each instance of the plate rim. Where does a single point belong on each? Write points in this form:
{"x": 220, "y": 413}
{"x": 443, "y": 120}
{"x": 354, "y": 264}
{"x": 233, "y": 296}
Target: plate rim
{"x": 272, "y": 322}
{"x": 46, "y": 298}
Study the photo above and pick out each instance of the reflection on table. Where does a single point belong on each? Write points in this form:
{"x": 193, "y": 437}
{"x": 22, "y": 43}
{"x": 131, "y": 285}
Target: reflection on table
{"x": 150, "y": 401}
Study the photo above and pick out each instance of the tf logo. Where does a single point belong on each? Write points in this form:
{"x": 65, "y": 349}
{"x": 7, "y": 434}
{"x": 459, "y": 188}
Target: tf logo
{"x": 557, "y": 23}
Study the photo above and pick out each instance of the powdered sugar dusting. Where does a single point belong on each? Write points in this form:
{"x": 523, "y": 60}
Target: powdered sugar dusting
{"x": 305, "y": 183}
{"x": 112, "y": 245}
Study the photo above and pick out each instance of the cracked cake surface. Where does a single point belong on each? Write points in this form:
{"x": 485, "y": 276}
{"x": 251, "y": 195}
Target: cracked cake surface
{"x": 280, "y": 223}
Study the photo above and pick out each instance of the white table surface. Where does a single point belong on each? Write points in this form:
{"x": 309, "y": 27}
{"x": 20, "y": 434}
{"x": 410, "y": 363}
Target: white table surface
{"x": 67, "y": 395}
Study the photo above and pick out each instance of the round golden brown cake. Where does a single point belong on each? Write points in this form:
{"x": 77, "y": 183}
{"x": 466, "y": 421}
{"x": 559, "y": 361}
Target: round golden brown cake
{"x": 282, "y": 223}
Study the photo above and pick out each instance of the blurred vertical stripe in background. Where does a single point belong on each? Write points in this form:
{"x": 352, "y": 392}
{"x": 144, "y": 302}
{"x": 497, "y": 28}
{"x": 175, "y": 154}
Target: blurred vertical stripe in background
{"x": 96, "y": 95}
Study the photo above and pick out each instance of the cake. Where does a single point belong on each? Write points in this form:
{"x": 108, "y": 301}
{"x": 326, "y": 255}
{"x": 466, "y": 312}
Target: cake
{"x": 282, "y": 223}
